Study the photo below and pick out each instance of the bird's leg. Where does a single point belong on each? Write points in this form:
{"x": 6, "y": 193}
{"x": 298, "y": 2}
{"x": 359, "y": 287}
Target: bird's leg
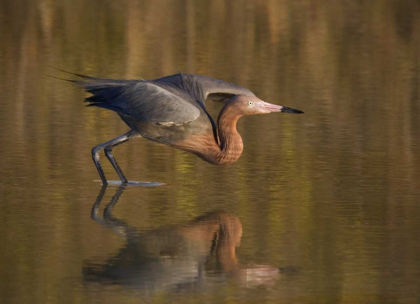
{"x": 107, "y": 146}
{"x": 95, "y": 157}
{"x": 113, "y": 161}
{"x": 111, "y": 158}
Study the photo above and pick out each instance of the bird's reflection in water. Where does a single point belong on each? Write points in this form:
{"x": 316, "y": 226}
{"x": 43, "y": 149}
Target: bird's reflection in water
{"x": 184, "y": 257}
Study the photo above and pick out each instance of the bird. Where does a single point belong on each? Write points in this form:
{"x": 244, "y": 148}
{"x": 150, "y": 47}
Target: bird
{"x": 171, "y": 110}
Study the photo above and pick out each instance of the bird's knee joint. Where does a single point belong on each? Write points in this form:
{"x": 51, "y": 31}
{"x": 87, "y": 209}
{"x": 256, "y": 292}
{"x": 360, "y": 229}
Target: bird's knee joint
{"x": 108, "y": 150}
{"x": 95, "y": 152}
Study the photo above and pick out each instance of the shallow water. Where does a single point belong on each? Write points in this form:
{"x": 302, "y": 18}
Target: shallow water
{"x": 321, "y": 207}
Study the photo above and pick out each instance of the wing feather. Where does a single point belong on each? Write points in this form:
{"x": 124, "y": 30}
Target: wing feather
{"x": 213, "y": 89}
{"x": 142, "y": 100}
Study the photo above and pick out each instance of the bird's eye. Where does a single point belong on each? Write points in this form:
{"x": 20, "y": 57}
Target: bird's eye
{"x": 249, "y": 103}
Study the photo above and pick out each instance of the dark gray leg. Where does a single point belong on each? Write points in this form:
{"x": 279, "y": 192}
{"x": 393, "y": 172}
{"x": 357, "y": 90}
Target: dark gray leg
{"x": 107, "y": 146}
{"x": 113, "y": 161}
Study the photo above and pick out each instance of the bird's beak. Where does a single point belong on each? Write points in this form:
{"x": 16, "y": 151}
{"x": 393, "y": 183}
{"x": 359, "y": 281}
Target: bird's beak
{"x": 291, "y": 110}
{"x": 275, "y": 108}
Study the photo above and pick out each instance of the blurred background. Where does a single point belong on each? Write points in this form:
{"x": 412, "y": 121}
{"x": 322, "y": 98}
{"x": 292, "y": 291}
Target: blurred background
{"x": 332, "y": 194}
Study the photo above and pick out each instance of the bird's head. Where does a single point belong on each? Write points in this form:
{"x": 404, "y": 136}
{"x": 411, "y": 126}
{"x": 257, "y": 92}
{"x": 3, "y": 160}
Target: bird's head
{"x": 251, "y": 105}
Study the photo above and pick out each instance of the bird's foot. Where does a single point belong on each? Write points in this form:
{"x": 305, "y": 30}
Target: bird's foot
{"x": 133, "y": 183}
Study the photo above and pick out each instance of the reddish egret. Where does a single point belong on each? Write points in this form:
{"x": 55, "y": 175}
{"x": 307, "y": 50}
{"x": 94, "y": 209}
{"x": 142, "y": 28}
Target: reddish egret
{"x": 171, "y": 110}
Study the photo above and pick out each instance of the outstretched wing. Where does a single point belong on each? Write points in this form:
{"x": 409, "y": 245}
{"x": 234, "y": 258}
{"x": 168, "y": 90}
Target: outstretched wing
{"x": 142, "y": 100}
{"x": 213, "y": 89}
{"x": 176, "y": 98}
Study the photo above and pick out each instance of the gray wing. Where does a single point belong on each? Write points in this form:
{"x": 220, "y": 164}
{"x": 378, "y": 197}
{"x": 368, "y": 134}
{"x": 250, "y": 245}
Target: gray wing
{"x": 213, "y": 89}
{"x": 142, "y": 100}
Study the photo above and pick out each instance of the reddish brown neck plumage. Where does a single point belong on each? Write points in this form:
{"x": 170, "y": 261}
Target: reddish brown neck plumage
{"x": 230, "y": 145}
{"x": 230, "y": 141}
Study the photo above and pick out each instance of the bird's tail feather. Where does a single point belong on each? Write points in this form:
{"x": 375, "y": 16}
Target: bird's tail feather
{"x": 86, "y": 77}
{"x": 90, "y": 82}
{"x": 95, "y": 85}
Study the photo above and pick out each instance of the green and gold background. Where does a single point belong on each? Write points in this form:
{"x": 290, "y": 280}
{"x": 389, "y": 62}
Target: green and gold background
{"x": 333, "y": 194}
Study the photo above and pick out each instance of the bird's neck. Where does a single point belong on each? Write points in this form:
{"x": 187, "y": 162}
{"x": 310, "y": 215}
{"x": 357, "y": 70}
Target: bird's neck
{"x": 226, "y": 149}
{"x": 230, "y": 141}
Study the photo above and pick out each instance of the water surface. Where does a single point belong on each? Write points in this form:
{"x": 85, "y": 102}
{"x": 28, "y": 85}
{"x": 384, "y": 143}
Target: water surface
{"x": 321, "y": 207}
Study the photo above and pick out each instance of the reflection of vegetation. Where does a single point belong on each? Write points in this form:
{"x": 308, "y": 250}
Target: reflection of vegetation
{"x": 352, "y": 66}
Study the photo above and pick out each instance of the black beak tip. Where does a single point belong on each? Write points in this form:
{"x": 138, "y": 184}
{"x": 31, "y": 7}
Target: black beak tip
{"x": 291, "y": 110}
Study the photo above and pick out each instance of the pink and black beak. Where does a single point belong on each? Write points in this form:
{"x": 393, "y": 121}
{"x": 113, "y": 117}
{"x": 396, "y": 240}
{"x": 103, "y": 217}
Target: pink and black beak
{"x": 269, "y": 107}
